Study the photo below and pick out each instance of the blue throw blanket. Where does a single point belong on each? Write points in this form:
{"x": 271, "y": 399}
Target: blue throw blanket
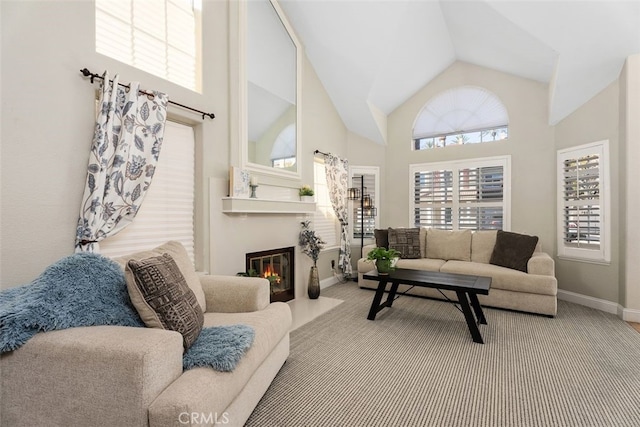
{"x": 88, "y": 289}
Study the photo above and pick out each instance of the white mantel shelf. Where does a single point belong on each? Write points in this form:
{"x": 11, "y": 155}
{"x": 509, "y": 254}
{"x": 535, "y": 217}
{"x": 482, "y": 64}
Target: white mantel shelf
{"x": 263, "y": 206}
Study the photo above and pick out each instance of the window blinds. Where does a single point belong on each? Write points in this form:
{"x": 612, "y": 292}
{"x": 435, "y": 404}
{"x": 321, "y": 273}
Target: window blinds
{"x": 369, "y": 222}
{"x": 156, "y": 36}
{"x": 167, "y": 210}
{"x": 469, "y": 195}
{"x": 325, "y": 222}
{"x": 581, "y": 207}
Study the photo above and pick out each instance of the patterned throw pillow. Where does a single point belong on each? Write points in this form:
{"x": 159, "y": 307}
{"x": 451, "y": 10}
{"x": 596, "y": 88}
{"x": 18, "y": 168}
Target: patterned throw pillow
{"x": 406, "y": 241}
{"x": 163, "y": 299}
{"x": 382, "y": 238}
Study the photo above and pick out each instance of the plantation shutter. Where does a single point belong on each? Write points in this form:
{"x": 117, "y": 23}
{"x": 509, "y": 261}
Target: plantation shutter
{"x": 471, "y": 195}
{"x": 433, "y": 199}
{"x": 581, "y": 221}
{"x": 167, "y": 210}
{"x": 369, "y": 222}
{"x": 481, "y": 198}
{"x": 325, "y": 222}
{"x": 156, "y": 36}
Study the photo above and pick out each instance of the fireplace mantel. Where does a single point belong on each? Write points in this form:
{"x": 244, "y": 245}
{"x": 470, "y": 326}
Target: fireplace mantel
{"x": 264, "y": 206}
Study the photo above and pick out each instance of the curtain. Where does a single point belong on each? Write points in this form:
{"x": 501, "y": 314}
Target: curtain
{"x": 338, "y": 183}
{"x": 126, "y": 144}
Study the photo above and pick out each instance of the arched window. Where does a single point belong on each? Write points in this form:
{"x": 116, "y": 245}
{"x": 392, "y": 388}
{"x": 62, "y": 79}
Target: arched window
{"x": 283, "y": 154}
{"x": 463, "y": 115}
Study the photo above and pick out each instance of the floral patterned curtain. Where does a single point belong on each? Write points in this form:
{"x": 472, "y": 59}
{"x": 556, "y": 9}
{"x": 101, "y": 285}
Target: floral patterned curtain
{"x": 338, "y": 182}
{"x": 124, "y": 153}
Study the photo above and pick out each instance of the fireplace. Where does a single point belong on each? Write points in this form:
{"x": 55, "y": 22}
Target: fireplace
{"x": 275, "y": 265}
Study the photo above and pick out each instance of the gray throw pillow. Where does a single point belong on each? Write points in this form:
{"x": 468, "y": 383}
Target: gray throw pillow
{"x": 163, "y": 299}
{"x": 406, "y": 241}
{"x": 513, "y": 250}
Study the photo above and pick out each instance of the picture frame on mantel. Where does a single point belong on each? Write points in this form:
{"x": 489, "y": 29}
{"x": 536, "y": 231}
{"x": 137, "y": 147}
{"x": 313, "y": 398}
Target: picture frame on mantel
{"x": 239, "y": 180}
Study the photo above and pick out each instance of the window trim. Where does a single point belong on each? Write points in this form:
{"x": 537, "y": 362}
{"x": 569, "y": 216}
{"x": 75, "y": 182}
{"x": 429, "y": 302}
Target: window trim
{"x": 455, "y": 165}
{"x": 601, "y": 255}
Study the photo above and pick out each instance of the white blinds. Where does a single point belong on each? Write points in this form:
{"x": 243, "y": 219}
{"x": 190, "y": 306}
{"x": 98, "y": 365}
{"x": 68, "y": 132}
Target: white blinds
{"x": 157, "y": 36}
{"x": 581, "y": 208}
{"x": 325, "y": 222}
{"x": 471, "y": 195}
{"x": 369, "y": 222}
{"x": 167, "y": 210}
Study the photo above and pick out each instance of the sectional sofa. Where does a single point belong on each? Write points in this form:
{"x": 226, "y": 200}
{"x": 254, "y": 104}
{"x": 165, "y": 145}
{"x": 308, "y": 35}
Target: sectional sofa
{"x": 533, "y": 290}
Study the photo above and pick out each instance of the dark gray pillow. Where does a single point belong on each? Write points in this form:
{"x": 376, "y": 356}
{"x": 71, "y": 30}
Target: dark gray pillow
{"x": 382, "y": 238}
{"x": 513, "y": 250}
{"x": 406, "y": 241}
{"x": 167, "y": 301}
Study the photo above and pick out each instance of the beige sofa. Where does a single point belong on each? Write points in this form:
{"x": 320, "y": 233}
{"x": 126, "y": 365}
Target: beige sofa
{"x": 126, "y": 376}
{"x": 534, "y": 291}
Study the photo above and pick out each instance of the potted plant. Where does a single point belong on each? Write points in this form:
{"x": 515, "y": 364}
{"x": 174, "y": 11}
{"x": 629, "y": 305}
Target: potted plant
{"x": 384, "y": 258}
{"x": 306, "y": 193}
{"x": 311, "y": 244}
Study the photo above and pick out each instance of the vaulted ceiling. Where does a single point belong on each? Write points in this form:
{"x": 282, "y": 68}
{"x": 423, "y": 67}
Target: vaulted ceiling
{"x": 372, "y": 55}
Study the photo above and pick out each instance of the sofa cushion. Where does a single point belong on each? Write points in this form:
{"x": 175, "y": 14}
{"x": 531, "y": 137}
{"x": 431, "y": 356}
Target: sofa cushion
{"x": 505, "y": 278}
{"x": 271, "y": 327}
{"x": 482, "y": 243}
{"x": 180, "y": 256}
{"x": 423, "y": 242}
{"x": 406, "y": 241}
{"x": 513, "y": 250}
{"x": 449, "y": 245}
{"x": 427, "y": 264}
{"x": 164, "y": 301}
{"x": 382, "y": 238}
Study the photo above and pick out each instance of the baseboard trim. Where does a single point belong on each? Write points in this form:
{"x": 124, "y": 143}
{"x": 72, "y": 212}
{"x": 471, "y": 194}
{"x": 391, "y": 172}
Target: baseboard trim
{"x": 329, "y": 281}
{"x": 597, "y": 303}
{"x": 626, "y": 314}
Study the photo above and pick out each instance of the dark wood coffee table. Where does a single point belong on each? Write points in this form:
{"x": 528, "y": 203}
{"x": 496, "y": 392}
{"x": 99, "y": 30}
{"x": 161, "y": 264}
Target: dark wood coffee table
{"x": 466, "y": 288}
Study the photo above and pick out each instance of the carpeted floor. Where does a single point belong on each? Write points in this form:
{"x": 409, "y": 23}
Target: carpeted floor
{"x": 416, "y": 365}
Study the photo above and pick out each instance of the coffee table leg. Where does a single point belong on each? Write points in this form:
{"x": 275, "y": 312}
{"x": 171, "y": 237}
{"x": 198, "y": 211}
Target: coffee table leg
{"x": 477, "y": 308}
{"x": 468, "y": 315}
{"x": 392, "y": 294}
{"x": 375, "y": 305}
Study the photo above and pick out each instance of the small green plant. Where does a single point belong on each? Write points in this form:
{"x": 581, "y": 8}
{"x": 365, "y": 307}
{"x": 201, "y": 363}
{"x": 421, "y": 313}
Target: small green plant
{"x": 249, "y": 273}
{"x": 305, "y": 190}
{"x": 382, "y": 253}
{"x": 384, "y": 259}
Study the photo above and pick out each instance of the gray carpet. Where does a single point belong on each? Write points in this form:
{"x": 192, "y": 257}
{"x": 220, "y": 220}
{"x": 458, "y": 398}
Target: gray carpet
{"x": 416, "y": 365}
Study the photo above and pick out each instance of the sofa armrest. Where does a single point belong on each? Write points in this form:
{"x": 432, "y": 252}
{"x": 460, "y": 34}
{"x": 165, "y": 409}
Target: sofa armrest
{"x": 235, "y": 294}
{"x": 541, "y": 263}
{"x": 79, "y": 375}
{"x": 366, "y": 249}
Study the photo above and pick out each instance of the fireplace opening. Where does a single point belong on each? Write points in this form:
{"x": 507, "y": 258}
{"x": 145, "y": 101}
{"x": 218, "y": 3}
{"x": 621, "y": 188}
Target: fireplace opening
{"x": 275, "y": 265}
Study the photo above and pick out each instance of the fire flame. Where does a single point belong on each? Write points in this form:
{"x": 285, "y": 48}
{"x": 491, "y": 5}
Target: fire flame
{"x": 268, "y": 272}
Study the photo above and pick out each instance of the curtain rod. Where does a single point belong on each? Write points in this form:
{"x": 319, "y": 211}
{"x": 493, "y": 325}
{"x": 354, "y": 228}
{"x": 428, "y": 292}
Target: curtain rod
{"x": 320, "y": 152}
{"x": 94, "y": 76}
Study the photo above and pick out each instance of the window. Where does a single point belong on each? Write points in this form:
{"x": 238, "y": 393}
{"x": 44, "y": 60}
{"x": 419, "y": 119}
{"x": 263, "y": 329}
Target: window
{"x": 463, "y": 115}
{"x": 471, "y": 194}
{"x": 167, "y": 210}
{"x": 161, "y": 37}
{"x": 367, "y": 177}
{"x": 325, "y": 222}
{"x": 583, "y": 202}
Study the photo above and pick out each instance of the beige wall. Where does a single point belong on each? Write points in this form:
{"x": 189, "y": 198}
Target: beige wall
{"x": 47, "y": 124}
{"x": 530, "y": 145}
{"x": 630, "y": 160}
{"x": 595, "y": 121}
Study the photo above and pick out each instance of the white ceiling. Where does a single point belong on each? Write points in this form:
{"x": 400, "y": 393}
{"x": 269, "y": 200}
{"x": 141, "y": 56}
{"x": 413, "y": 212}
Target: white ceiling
{"x": 372, "y": 55}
